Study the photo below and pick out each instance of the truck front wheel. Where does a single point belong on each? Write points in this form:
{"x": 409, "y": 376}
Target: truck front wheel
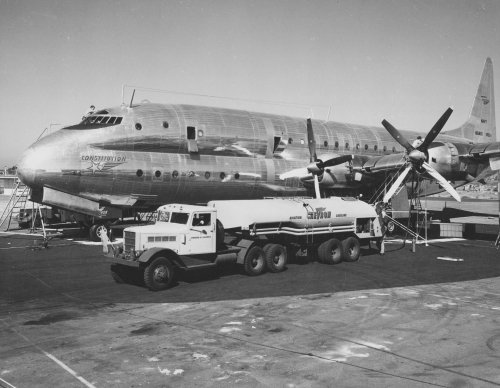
{"x": 255, "y": 262}
{"x": 330, "y": 252}
{"x": 276, "y": 257}
{"x": 351, "y": 249}
{"x": 159, "y": 274}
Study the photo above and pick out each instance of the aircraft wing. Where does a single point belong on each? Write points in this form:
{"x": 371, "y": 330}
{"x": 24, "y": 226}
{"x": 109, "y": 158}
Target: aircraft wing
{"x": 118, "y": 200}
{"x": 372, "y": 164}
{"x": 483, "y": 151}
{"x": 480, "y": 151}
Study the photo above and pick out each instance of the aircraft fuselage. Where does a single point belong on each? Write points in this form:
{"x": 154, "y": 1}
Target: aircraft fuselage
{"x": 157, "y": 154}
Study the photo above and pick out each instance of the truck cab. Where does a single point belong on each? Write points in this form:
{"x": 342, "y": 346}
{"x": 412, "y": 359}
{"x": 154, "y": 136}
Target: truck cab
{"x": 183, "y": 229}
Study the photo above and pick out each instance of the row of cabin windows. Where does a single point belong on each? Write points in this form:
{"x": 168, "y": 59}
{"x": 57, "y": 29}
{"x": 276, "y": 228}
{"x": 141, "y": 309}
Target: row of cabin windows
{"x": 347, "y": 145}
{"x": 190, "y": 174}
{"x": 191, "y": 131}
{"x": 191, "y": 135}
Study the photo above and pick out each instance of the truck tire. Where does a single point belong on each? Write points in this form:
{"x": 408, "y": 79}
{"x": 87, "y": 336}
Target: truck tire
{"x": 255, "y": 262}
{"x": 330, "y": 252}
{"x": 276, "y": 257}
{"x": 351, "y": 249}
{"x": 159, "y": 274}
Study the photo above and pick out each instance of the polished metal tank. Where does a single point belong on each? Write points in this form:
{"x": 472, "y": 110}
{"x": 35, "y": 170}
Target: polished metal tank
{"x": 296, "y": 212}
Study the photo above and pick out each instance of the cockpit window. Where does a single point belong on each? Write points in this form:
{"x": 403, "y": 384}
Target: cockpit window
{"x": 96, "y": 121}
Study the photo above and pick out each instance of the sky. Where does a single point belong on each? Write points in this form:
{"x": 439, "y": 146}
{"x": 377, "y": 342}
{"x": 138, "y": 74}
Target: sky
{"x": 405, "y": 61}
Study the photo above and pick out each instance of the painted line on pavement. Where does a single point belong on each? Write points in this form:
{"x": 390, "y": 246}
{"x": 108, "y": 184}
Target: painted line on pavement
{"x": 53, "y": 358}
{"x": 5, "y": 384}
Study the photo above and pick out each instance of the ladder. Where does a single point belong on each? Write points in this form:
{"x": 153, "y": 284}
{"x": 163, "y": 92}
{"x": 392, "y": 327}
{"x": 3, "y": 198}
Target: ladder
{"x": 17, "y": 201}
{"x": 497, "y": 241}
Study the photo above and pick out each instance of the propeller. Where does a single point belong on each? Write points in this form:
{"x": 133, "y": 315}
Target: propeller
{"x": 316, "y": 166}
{"x": 417, "y": 156}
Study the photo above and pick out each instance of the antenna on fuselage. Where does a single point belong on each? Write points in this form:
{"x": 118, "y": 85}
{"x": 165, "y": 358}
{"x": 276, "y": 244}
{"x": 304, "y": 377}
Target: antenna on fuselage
{"x": 132, "y": 99}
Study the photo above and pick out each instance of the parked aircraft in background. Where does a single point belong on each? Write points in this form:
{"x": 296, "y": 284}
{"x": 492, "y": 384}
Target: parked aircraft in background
{"x": 138, "y": 157}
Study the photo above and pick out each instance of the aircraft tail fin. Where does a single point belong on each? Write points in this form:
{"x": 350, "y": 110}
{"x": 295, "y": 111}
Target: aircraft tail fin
{"x": 481, "y": 127}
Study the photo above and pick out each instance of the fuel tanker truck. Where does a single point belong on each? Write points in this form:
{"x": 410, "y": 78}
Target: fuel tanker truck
{"x": 258, "y": 234}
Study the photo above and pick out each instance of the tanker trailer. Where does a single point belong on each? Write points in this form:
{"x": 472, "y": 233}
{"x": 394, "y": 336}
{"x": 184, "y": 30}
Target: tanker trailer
{"x": 258, "y": 234}
{"x": 331, "y": 228}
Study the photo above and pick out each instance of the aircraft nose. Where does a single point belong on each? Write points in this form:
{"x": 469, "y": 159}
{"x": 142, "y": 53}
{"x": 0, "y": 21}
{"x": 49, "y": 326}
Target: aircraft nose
{"x": 39, "y": 159}
{"x": 26, "y": 168}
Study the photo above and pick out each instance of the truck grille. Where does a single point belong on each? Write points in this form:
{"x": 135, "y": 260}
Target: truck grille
{"x": 129, "y": 241}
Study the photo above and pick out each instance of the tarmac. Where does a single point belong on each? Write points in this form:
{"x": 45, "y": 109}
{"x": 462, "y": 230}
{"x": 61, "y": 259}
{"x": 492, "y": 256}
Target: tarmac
{"x": 429, "y": 318}
{"x": 423, "y": 318}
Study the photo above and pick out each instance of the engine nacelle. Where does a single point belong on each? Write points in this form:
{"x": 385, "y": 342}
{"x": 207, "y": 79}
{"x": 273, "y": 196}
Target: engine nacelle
{"x": 327, "y": 180}
{"x": 444, "y": 158}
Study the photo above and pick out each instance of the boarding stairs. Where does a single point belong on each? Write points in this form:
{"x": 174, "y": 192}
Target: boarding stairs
{"x": 416, "y": 221}
{"x": 17, "y": 202}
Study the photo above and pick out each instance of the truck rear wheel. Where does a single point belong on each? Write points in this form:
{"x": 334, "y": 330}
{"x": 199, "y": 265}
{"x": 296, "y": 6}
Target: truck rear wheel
{"x": 255, "y": 262}
{"x": 276, "y": 257}
{"x": 159, "y": 274}
{"x": 351, "y": 249}
{"x": 330, "y": 252}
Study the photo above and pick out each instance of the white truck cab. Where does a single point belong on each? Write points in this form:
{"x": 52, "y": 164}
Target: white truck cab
{"x": 184, "y": 229}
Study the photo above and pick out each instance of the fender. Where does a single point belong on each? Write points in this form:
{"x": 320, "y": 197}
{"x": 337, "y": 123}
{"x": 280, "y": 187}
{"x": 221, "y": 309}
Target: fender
{"x": 245, "y": 245}
{"x": 152, "y": 252}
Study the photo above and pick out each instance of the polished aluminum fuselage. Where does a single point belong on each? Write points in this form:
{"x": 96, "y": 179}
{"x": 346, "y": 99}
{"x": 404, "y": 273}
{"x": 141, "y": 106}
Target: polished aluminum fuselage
{"x": 193, "y": 154}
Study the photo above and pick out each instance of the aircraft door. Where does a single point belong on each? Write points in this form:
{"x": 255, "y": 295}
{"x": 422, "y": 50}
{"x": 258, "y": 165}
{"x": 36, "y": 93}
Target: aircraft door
{"x": 202, "y": 233}
{"x": 192, "y": 140}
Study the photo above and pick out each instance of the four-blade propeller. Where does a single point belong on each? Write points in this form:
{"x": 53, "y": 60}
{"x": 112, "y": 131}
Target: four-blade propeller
{"x": 418, "y": 155}
{"x": 317, "y": 166}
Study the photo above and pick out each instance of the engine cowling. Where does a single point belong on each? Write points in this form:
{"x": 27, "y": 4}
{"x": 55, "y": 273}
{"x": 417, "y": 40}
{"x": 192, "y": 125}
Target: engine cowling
{"x": 444, "y": 158}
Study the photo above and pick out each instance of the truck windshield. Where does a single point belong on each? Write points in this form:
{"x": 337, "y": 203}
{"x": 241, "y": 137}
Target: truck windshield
{"x": 179, "y": 218}
{"x": 163, "y": 216}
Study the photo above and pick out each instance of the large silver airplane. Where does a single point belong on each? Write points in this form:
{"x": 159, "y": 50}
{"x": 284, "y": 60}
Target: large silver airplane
{"x": 139, "y": 156}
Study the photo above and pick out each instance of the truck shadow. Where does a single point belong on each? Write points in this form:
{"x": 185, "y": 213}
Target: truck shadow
{"x": 80, "y": 270}
{"x": 398, "y": 267}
